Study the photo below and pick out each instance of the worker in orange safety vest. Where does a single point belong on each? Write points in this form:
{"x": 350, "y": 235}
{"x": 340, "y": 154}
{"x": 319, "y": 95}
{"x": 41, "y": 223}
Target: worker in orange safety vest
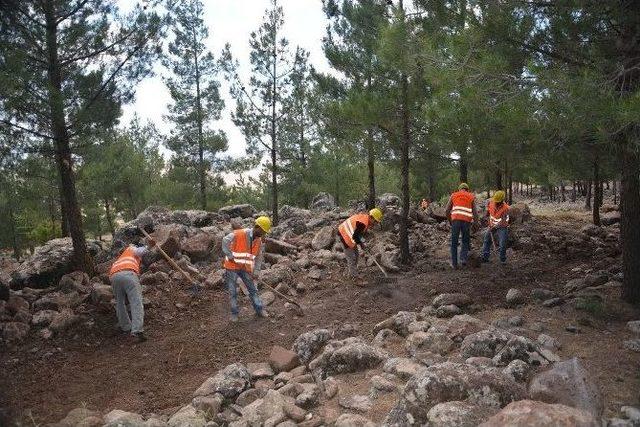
{"x": 461, "y": 212}
{"x": 124, "y": 276}
{"x": 351, "y": 232}
{"x": 498, "y": 230}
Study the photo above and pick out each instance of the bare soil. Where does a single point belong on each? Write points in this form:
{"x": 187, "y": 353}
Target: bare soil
{"x": 189, "y": 339}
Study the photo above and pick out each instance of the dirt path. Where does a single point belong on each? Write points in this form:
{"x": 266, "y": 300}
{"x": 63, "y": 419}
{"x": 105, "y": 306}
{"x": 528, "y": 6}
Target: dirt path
{"x": 46, "y": 379}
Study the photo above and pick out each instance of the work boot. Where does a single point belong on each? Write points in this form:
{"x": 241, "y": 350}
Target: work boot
{"x": 139, "y": 336}
{"x": 234, "y": 318}
{"x": 262, "y": 313}
{"x": 453, "y": 266}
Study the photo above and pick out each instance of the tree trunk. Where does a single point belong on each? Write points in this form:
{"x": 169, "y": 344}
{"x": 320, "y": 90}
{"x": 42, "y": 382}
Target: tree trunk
{"x": 371, "y": 162}
{"x": 464, "y": 167}
{"x": 573, "y": 192}
{"x": 596, "y": 193}
{"x": 202, "y": 173}
{"x": 406, "y": 143}
{"x": 615, "y": 192}
{"x": 630, "y": 225}
{"x": 562, "y": 192}
{"x": 64, "y": 223}
{"x": 107, "y": 211}
{"x": 432, "y": 184}
{"x": 587, "y": 201}
{"x": 274, "y": 146}
{"x": 510, "y": 189}
{"x": 81, "y": 258}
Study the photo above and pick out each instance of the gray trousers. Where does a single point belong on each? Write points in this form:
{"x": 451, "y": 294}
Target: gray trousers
{"x": 126, "y": 286}
{"x": 352, "y": 260}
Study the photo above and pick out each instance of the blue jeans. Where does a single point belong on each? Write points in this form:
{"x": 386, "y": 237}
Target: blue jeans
{"x": 500, "y": 237}
{"x": 231, "y": 276}
{"x": 458, "y": 227}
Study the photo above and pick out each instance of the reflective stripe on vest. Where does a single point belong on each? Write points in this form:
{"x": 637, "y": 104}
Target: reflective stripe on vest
{"x": 243, "y": 256}
{"x": 126, "y": 261}
{"x": 495, "y": 215}
{"x": 349, "y": 225}
{"x": 462, "y": 206}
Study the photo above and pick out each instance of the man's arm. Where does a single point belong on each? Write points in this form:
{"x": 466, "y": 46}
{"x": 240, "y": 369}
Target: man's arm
{"x": 358, "y": 233}
{"x": 226, "y": 245}
{"x": 447, "y": 212}
{"x": 257, "y": 263}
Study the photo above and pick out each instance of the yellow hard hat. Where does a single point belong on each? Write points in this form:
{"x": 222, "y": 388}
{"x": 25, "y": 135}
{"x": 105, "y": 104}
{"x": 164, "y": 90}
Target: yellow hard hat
{"x": 376, "y": 214}
{"x": 498, "y": 196}
{"x": 463, "y": 186}
{"x": 264, "y": 222}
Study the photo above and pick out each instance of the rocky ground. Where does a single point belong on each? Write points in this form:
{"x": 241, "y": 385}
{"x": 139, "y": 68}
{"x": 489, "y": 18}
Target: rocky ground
{"x": 540, "y": 341}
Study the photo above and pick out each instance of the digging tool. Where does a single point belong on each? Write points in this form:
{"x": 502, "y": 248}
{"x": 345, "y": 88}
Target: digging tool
{"x": 377, "y": 263}
{"x": 195, "y": 287}
{"x": 286, "y": 298}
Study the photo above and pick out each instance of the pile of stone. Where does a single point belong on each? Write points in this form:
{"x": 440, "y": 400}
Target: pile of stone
{"x": 426, "y": 370}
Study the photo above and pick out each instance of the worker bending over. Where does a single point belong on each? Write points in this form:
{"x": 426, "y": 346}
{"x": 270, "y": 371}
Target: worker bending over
{"x": 461, "y": 211}
{"x": 124, "y": 276}
{"x": 351, "y": 233}
{"x": 244, "y": 253}
{"x": 498, "y": 215}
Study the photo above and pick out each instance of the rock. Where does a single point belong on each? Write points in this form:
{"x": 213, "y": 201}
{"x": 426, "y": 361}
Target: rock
{"x": 456, "y": 414}
{"x": 118, "y": 418}
{"x": 309, "y": 397}
{"x": 79, "y": 417}
{"x": 553, "y": 302}
{"x": 356, "y": 402}
{"x": 15, "y": 304}
{"x": 398, "y": 323}
{"x": 634, "y": 326}
{"x": 459, "y": 299}
{"x": 249, "y": 396}
{"x": 63, "y": 320}
{"x": 575, "y": 285}
{"x": 57, "y": 301}
{"x": 353, "y": 420}
{"x": 23, "y": 317}
{"x": 633, "y": 345}
{"x": 46, "y": 333}
{"x": 458, "y": 327}
{"x": 572, "y": 328}
{"x": 43, "y": 318}
{"x": 315, "y": 274}
{"x": 446, "y": 311}
{"x": 75, "y": 281}
{"x": 280, "y": 247}
{"x": 294, "y": 412}
{"x": 101, "y": 294}
{"x": 259, "y": 370}
{"x": 568, "y": 383}
{"x": 515, "y": 297}
{"x": 542, "y": 294}
{"x": 518, "y": 347}
{"x": 484, "y": 343}
{"x": 386, "y": 338}
{"x": 632, "y": 414}
{"x": 275, "y": 275}
{"x": 282, "y": 359}
{"x": 449, "y": 381}
{"x": 324, "y": 238}
{"x": 345, "y": 356}
{"x": 323, "y": 202}
{"x": 188, "y": 416}
{"x": 210, "y": 405}
{"x": 402, "y": 367}
{"x": 242, "y": 211}
{"x": 518, "y": 369}
{"x": 419, "y": 326}
{"x": 5, "y": 281}
{"x": 168, "y": 238}
{"x": 549, "y": 342}
{"x": 229, "y": 382}
{"x": 199, "y": 247}
{"x": 331, "y": 387}
{"x": 528, "y": 413}
{"x": 309, "y": 344}
{"x": 434, "y": 342}
{"x": 49, "y": 263}
{"x": 380, "y": 383}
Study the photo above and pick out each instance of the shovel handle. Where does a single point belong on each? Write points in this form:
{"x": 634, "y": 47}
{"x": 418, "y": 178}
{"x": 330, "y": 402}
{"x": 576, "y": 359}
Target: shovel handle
{"x": 376, "y": 261}
{"x": 283, "y": 296}
{"x": 171, "y": 261}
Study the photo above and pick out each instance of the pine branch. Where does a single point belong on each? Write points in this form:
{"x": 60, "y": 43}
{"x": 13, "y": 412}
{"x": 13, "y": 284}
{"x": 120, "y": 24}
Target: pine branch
{"x": 67, "y": 61}
{"x": 31, "y": 131}
{"x": 72, "y": 12}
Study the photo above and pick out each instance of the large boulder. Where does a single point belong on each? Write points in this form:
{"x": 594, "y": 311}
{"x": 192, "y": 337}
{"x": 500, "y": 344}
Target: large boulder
{"x": 80, "y": 417}
{"x": 309, "y": 344}
{"x": 345, "y": 356}
{"x": 199, "y": 247}
{"x": 188, "y": 416}
{"x": 519, "y": 213}
{"x": 229, "y": 382}
{"x": 5, "y": 280}
{"x": 280, "y": 247}
{"x": 485, "y": 343}
{"x": 398, "y": 323}
{"x": 457, "y": 414}
{"x": 49, "y": 263}
{"x": 457, "y": 299}
{"x": 270, "y": 410}
{"x": 450, "y": 381}
{"x": 324, "y": 238}
{"x": 14, "y": 331}
{"x": 570, "y": 384}
{"x": 529, "y": 413}
{"x": 234, "y": 211}
{"x": 168, "y": 237}
{"x": 388, "y": 199}
{"x": 323, "y": 202}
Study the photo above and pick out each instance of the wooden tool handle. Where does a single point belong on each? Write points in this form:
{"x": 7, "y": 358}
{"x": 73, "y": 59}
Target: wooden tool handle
{"x": 170, "y": 260}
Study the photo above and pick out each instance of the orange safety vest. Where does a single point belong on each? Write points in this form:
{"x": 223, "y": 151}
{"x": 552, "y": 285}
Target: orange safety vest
{"x": 348, "y": 227}
{"x": 462, "y": 206}
{"x": 126, "y": 261}
{"x": 424, "y": 204}
{"x": 243, "y": 256}
{"x": 495, "y": 213}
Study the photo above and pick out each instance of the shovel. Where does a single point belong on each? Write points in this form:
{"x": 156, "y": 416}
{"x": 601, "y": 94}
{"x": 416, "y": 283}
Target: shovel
{"x": 195, "y": 287}
{"x": 386, "y": 275}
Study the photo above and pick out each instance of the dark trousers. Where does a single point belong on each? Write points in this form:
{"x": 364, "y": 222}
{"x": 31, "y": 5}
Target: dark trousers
{"x": 460, "y": 227}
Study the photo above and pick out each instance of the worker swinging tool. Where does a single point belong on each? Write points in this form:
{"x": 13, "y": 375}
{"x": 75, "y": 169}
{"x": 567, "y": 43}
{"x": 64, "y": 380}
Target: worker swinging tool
{"x": 461, "y": 211}
{"x": 498, "y": 216}
{"x": 351, "y": 233}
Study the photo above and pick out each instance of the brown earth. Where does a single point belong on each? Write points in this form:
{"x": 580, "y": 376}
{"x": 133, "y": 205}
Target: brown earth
{"x": 43, "y": 380}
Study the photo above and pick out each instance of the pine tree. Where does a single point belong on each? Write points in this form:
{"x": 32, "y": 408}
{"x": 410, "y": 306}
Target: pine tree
{"x": 67, "y": 67}
{"x": 195, "y": 92}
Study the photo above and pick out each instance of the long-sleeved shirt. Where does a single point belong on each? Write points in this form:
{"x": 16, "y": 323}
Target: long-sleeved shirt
{"x": 140, "y": 251}
{"x": 227, "y": 241}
